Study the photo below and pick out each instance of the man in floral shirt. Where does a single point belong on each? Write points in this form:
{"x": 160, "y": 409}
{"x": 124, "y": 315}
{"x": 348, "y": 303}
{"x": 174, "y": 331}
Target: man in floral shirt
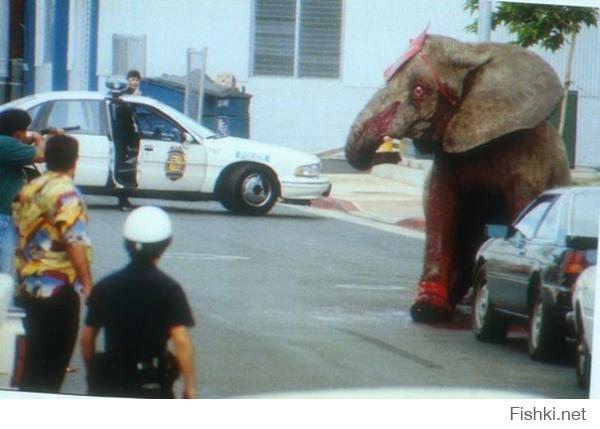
{"x": 52, "y": 260}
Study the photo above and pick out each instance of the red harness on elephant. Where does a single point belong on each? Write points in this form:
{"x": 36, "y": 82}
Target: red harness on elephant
{"x": 416, "y": 48}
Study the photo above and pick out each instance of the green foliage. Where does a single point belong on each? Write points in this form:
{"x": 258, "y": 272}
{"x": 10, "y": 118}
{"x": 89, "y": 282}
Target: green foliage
{"x": 547, "y": 25}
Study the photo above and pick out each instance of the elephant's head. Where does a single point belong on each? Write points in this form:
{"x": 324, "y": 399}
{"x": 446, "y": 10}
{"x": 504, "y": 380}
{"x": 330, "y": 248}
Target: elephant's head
{"x": 456, "y": 95}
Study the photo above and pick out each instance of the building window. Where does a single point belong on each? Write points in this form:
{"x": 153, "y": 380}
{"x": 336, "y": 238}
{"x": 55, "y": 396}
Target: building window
{"x": 299, "y": 38}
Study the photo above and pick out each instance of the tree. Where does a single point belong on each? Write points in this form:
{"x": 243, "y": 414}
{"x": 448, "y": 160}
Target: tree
{"x": 545, "y": 25}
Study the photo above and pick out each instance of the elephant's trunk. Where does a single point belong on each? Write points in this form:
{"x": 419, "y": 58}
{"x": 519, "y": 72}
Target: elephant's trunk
{"x": 367, "y": 132}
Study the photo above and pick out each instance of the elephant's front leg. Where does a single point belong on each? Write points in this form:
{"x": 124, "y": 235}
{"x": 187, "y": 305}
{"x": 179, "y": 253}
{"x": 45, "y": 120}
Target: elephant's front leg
{"x": 441, "y": 205}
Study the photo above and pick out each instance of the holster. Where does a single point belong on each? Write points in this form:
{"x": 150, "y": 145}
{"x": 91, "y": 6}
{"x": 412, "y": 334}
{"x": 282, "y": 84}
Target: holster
{"x": 148, "y": 378}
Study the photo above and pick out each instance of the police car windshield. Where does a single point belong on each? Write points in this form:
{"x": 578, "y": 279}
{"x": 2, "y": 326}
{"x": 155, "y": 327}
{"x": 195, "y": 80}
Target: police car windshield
{"x": 188, "y": 122}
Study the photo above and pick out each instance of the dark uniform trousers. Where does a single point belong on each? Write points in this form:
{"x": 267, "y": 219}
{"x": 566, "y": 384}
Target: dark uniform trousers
{"x": 51, "y": 326}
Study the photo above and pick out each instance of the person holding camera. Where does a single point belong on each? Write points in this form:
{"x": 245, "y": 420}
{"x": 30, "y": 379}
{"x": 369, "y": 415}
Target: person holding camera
{"x": 18, "y": 149}
{"x": 141, "y": 310}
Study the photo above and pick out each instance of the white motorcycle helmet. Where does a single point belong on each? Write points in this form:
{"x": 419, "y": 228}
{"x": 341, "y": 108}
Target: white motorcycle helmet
{"x": 147, "y": 232}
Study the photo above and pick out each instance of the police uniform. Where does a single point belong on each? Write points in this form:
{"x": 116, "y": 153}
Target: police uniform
{"x": 136, "y": 306}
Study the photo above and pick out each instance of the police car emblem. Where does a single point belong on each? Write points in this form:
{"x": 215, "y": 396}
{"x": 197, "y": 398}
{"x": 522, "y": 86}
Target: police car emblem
{"x": 175, "y": 165}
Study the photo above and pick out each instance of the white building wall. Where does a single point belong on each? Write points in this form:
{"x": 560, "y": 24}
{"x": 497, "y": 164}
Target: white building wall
{"x": 42, "y": 66}
{"x": 584, "y": 78}
{"x": 223, "y": 26}
{"x": 309, "y": 114}
{"x": 78, "y": 52}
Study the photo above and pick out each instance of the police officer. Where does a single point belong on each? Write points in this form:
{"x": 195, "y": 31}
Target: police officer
{"x": 140, "y": 309}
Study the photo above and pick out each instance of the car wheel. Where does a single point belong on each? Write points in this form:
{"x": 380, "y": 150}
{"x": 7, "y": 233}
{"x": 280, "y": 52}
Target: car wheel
{"x": 583, "y": 357}
{"x": 487, "y": 325}
{"x": 545, "y": 334}
{"x": 250, "y": 190}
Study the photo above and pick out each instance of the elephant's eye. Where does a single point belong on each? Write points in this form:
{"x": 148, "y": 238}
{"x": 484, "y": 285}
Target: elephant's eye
{"x": 418, "y": 92}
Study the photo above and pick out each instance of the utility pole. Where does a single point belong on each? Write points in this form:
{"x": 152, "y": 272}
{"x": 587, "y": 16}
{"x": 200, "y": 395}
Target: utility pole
{"x": 485, "y": 21}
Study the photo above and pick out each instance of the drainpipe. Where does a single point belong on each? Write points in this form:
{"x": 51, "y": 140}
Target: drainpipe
{"x": 4, "y": 50}
{"x": 92, "y": 83}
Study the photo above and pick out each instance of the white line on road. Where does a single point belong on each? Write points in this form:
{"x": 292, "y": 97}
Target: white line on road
{"x": 394, "y": 229}
{"x": 203, "y": 256}
{"x": 370, "y": 287}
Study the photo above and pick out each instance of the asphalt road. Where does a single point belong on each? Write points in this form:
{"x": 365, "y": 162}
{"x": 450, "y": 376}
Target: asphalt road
{"x": 298, "y": 302}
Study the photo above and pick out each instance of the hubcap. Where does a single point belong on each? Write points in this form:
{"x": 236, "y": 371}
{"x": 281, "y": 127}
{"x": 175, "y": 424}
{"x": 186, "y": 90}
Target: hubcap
{"x": 536, "y": 325}
{"x": 482, "y": 305}
{"x": 256, "y": 190}
{"x": 581, "y": 360}
{"x": 582, "y": 356}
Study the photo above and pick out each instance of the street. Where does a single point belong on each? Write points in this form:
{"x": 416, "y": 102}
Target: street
{"x": 298, "y": 301}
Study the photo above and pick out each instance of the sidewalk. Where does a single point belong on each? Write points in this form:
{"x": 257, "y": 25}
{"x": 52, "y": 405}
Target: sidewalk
{"x": 393, "y": 194}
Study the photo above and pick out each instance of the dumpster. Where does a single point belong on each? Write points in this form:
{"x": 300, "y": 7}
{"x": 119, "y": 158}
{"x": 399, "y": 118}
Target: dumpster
{"x": 225, "y": 109}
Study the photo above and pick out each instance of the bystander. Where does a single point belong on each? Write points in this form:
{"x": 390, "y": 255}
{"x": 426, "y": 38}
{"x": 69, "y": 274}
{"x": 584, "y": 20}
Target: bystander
{"x": 133, "y": 79}
{"x": 52, "y": 259}
{"x": 18, "y": 148}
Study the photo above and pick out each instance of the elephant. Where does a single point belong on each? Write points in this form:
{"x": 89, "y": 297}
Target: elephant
{"x": 482, "y": 110}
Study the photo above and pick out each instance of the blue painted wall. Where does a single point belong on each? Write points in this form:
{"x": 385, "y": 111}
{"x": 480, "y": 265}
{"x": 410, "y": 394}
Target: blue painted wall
{"x": 60, "y": 79}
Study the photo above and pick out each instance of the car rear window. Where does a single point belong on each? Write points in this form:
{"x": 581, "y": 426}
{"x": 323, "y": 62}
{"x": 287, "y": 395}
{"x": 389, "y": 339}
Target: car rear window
{"x": 585, "y": 212}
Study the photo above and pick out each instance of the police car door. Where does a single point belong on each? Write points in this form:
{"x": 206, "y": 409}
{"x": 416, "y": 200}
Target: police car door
{"x": 167, "y": 161}
{"x": 86, "y": 121}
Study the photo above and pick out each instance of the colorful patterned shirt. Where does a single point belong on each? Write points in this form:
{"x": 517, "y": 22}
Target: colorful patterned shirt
{"x": 49, "y": 212}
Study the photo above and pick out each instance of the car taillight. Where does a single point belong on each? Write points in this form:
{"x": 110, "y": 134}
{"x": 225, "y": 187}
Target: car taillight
{"x": 576, "y": 262}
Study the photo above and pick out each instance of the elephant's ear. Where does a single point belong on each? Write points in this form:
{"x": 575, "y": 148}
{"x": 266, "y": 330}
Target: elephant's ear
{"x": 513, "y": 90}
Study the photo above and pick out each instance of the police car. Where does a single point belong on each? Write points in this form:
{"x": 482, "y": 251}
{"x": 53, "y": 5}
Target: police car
{"x": 141, "y": 146}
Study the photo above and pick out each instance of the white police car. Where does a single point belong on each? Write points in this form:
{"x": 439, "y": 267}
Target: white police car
{"x": 149, "y": 149}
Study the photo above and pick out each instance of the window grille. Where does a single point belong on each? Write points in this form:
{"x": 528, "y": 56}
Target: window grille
{"x": 129, "y": 53}
{"x": 299, "y": 38}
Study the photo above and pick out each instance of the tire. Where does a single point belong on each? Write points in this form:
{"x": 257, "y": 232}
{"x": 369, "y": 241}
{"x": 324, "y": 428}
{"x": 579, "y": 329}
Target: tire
{"x": 250, "y": 190}
{"x": 583, "y": 357}
{"x": 546, "y": 337}
{"x": 487, "y": 325}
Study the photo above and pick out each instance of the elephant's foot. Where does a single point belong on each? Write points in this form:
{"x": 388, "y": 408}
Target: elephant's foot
{"x": 431, "y": 305}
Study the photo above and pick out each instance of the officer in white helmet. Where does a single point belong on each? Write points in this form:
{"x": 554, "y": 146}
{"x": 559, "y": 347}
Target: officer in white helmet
{"x": 140, "y": 309}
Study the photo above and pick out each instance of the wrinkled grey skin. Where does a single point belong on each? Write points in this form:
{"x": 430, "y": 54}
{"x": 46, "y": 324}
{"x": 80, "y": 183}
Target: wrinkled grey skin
{"x": 494, "y": 151}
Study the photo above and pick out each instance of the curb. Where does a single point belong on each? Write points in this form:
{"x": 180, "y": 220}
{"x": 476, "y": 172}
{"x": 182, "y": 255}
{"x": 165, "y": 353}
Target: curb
{"x": 416, "y": 223}
{"x": 328, "y": 203}
{"x": 410, "y": 171}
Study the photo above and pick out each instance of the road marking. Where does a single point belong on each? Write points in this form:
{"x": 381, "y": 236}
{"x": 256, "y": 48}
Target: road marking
{"x": 394, "y": 229}
{"x": 203, "y": 257}
{"x": 370, "y": 287}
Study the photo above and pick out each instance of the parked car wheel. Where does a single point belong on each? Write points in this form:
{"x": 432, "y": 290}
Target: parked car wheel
{"x": 487, "y": 325}
{"x": 250, "y": 190}
{"x": 545, "y": 334}
{"x": 583, "y": 357}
